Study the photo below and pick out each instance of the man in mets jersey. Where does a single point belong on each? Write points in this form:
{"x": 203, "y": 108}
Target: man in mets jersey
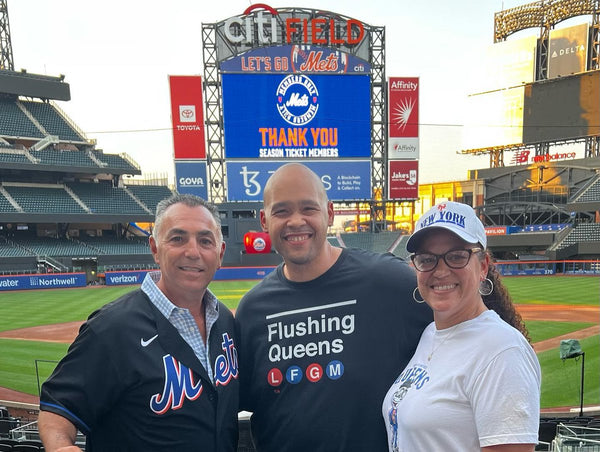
{"x": 157, "y": 369}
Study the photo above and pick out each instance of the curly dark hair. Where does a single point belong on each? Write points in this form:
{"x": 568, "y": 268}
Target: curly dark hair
{"x": 501, "y": 301}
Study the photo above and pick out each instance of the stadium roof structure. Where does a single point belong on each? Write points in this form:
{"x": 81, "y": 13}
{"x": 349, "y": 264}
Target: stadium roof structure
{"x": 34, "y": 85}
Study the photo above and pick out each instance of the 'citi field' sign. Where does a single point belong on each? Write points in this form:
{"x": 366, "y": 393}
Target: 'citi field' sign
{"x": 271, "y": 27}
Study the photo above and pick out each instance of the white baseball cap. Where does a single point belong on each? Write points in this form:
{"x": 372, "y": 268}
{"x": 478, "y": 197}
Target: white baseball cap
{"x": 453, "y": 216}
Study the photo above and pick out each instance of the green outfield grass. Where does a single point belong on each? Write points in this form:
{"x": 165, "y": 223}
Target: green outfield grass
{"x": 576, "y": 290}
{"x": 561, "y": 380}
{"x": 560, "y": 385}
{"x": 28, "y": 308}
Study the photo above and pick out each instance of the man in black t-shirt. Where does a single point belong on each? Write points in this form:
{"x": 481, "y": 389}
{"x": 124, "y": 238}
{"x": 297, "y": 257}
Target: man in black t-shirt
{"x": 323, "y": 336}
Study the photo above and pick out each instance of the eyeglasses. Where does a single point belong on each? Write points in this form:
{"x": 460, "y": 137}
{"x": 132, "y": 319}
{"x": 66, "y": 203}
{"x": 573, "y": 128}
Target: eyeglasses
{"x": 426, "y": 262}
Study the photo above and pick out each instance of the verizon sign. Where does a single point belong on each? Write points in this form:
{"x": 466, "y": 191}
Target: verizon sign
{"x": 403, "y": 130}
{"x": 403, "y": 179}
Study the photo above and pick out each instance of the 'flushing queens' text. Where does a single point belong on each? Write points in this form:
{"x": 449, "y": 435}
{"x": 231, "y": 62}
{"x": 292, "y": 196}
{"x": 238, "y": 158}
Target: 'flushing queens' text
{"x": 279, "y": 331}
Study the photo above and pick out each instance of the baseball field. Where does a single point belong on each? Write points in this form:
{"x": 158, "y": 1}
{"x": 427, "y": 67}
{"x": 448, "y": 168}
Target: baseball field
{"x": 37, "y": 326}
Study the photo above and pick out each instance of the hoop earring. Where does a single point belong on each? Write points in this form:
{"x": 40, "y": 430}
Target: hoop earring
{"x": 415, "y": 292}
{"x": 486, "y": 287}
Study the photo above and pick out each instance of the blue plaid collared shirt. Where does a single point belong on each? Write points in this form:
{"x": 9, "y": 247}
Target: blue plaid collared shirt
{"x": 183, "y": 320}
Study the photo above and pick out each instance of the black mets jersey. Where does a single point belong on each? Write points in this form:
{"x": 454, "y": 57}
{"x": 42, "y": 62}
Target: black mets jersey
{"x": 130, "y": 382}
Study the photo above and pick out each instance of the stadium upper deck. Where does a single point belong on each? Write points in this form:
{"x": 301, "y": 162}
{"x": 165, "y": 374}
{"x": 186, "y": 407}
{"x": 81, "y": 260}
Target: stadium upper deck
{"x": 65, "y": 204}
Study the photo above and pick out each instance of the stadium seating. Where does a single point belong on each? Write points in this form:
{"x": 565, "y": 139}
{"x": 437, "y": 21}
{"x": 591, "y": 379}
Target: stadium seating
{"x": 8, "y": 249}
{"x": 108, "y": 245}
{"x": 7, "y": 443}
{"x": 52, "y": 121}
{"x": 50, "y": 246}
{"x": 82, "y": 247}
{"x": 114, "y": 161}
{"x": 5, "y": 205}
{"x": 546, "y": 433}
{"x": 63, "y": 158}
{"x": 590, "y": 194}
{"x": 122, "y": 267}
{"x": 102, "y": 197}
{"x": 44, "y": 199}
{"x": 7, "y": 424}
{"x": 15, "y": 123}
{"x": 11, "y": 155}
{"x": 334, "y": 241}
{"x": 150, "y": 195}
{"x": 582, "y": 232}
{"x": 26, "y": 448}
{"x": 380, "y": 242}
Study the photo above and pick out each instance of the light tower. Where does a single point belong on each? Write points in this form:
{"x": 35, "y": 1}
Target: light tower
{"x": 6, "y": 54}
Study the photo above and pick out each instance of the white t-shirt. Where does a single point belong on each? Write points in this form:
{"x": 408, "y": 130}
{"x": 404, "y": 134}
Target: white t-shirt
{"x": 481, "y": 387}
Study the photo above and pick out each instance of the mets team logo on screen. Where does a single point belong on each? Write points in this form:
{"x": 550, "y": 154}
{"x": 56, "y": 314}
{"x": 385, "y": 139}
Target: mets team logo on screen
{"x": 297, "y": 99}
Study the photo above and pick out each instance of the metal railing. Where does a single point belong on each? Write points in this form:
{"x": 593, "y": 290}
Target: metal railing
{"x": 575, "y": 438}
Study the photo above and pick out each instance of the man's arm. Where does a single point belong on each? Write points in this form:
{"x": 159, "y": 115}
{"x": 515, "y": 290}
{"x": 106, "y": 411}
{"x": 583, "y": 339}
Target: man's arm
{"x": 57, "y": 433}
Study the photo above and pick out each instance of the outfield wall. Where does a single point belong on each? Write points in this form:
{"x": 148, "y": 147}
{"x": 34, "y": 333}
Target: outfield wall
{"x": 541, "y": 267}
{"x": 223, "y": 274}
{"x": 115, "y": 278}
{"x": 120, "y": 278}
{"x": 42, "y": 281}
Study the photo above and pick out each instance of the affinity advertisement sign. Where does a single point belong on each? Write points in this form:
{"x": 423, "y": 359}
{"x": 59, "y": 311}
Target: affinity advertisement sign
{"x": 42, "y": 281}
{"x": 296, "y": 59}
{"x": 191, "y": 178}
{"x": 296, "y": 116}
{"x": 403, "y": 179}
{"x": 187, "y": 117}
{"x": 343, "y": 180}
{"x": 403, "y": 122}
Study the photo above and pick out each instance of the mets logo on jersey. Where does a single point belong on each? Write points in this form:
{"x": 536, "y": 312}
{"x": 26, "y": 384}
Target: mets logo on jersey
{"x": 226, "y": 366}
{"x": 180, "y": 383}
{"x": 297, "y": 99}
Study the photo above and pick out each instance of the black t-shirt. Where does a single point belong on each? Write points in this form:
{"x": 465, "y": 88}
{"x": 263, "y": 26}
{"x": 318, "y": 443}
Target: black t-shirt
{"x": 317, "y": 358}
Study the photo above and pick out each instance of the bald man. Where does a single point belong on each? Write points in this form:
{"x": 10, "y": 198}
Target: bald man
{"x": 323, "y": 336}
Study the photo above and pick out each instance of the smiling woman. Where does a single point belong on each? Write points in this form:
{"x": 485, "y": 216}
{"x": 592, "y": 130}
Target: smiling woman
{"x": 472, "y": 366}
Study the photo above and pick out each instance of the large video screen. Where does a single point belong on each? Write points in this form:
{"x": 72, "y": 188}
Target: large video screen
{"x": 504, "y": 64}
{"x": 494, "y": 119}
{"x": 562, "y": 108}
{"x": 296, "y": 116}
